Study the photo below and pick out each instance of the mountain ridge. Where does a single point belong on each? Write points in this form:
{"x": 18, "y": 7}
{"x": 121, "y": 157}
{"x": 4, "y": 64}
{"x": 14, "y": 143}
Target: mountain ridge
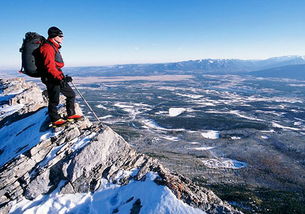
{"x": 192, "y": 67}
{"x": 195, "y": 67}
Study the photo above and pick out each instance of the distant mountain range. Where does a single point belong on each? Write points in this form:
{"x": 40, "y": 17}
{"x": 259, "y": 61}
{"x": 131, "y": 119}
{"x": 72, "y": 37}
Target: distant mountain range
{"x": 267, "y": 67}
{"x": 285, "y": 67}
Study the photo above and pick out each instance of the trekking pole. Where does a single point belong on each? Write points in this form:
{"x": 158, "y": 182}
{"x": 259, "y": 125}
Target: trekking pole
{"x": 85, "y": 102}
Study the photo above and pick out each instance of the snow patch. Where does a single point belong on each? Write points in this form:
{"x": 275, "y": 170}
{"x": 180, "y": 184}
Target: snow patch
{"x": 20, "y": 136}
{"x": 101, "y": 106}
{"x": 173, "y": 112}
{"x": 7, "y": 110}
{"x": 171, "y": 138}
{"x": 110, "y": 198}
{"x": 224, "y": 163}
{"x": 210, "y": 134}
{"x": 203, "y": 148}
{"x": 194, "y": 143}
{"x": 80, "y": 143}
{"x": 152, "y": 124}
{"x": 125, "y": 107}
{"x": 193, "y": 96}
{"x": 276, "y": 125}
{"x": 237, "y": 113}
{"x": 235, "y": 138}
{"x": 105, "y": 117}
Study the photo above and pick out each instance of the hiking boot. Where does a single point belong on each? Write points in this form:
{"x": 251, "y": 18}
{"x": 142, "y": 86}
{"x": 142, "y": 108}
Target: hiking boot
{"x": 58, "y": 123}
{"x": 74, "y": 117}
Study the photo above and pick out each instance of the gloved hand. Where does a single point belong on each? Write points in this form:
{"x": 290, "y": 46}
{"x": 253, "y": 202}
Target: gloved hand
{"x": 68, "y": 78}
{"x": 59, "y": 76}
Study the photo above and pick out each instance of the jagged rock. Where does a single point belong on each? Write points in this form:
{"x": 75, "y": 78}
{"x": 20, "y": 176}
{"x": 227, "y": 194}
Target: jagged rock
{"x": 8, "y": 86}
{"x": 80, "y": 155}
{"x": 28, "y": 94}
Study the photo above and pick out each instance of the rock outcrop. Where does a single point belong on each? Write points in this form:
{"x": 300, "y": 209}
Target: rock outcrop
{"x": 76, "y": 158}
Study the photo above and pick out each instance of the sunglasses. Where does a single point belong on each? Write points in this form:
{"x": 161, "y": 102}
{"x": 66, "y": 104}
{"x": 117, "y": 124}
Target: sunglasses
{"x": 61, "y": 36}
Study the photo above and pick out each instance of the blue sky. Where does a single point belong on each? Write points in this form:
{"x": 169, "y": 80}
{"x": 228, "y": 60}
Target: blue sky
{"x": 100, "y": 32}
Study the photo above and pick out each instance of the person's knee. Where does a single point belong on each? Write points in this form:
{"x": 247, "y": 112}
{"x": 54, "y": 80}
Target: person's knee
{"x": 54, "y": 100}
{"x": 72, "y": 95}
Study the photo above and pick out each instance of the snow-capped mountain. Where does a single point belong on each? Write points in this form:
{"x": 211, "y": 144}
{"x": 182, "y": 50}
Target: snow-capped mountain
{"x": 82, "y": 168}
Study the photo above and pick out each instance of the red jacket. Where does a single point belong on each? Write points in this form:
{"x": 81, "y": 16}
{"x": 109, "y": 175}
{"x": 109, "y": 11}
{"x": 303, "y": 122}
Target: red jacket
{"x": 52, "y": 60}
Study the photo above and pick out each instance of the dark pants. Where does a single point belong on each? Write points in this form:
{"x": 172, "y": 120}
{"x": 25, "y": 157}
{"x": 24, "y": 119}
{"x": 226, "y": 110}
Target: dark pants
{"x": 54, "y": 90}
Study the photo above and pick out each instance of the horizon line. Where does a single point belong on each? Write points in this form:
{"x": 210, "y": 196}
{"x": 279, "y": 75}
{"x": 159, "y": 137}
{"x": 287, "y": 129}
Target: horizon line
{"x": 164, "y": 62}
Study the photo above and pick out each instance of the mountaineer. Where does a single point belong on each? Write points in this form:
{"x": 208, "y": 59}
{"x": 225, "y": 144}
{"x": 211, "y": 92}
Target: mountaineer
{"x": 54, "y": 79}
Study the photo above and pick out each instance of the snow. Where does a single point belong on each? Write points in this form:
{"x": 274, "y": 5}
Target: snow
{"x": 153, "y": 198}
{"x": 203, "y": 148}
{"x": 210, "y": 134}
{"x": 20, "y": 136}
{"x": 132, "y": 108}
{"x": 124, "y": 106}
{"x": 193, "y": 96}
{"x": 297, "y": 85}
{"x": 52, "y": 154}
{"x": 14, "y": 93}
{"x": 7, "y": 110}
{"x": 101, "y": 106}
{"x": 276, "y": 125}
{"x": 268, "y": 131}
{"x": 235, "y": 138}
{"x": 194, "y": 143}
{"x": 274, "y": 99}
{"x": 152, "y": 124}
{"x": 173, "y": 112}
{"x": 224, "y": 163}
{"x": 298, "y": 123}
{"x": 237, "y": 113}
{"x": 105, "y": 117}
{"x": 170, "y": 138}
{"x": 80, "y": 143}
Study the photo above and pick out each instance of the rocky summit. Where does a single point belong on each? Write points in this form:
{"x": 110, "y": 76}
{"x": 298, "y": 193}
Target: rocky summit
{"x": 84, "y": 167}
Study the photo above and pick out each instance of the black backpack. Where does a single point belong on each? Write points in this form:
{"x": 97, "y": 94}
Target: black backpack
{"x": 30, "y": 55}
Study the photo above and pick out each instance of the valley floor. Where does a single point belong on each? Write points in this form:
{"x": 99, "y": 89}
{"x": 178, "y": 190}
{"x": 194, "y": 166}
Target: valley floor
{"x": 243, "y": 132}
